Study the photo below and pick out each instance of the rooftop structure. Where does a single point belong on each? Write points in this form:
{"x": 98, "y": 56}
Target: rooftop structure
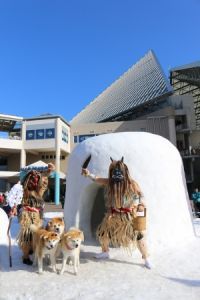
{"x": 186, "y": 80}
{"x": 9, "y": 123}
{"x": 47, "y": 116}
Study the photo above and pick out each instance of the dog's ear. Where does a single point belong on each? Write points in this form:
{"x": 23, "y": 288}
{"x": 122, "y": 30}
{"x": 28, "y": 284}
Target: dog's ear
{"x": 44, "y": 237}
{"x": 122, "y": 159}
{"x": 61, "y": 219}
{"x": 49, "y": 224}
{"x": 111, "y": 159}
{"x": 67, "y": 235}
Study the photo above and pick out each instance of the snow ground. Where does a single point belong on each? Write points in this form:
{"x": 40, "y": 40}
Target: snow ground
{"x": 175, "y": 275}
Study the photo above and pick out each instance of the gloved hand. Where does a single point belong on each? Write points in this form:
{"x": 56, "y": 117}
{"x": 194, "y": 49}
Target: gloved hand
{"x": 85, "y": 172}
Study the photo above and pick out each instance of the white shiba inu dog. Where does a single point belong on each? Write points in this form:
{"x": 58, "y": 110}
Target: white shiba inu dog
{"x": 70, "y": 248}
{"x": 44, "y": 242}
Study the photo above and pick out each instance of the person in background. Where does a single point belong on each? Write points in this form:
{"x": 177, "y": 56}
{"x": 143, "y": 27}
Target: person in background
{"x": 196, "y": 201}
{"x": 1, "y": 200}
{"x": 10, "y": 211}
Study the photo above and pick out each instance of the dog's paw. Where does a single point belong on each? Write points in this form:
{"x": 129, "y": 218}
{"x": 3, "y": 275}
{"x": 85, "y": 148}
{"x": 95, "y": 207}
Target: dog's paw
{"x": 40, "y": 272}
{"x": 147, "y": 264}
{"x": 69, "y": 261}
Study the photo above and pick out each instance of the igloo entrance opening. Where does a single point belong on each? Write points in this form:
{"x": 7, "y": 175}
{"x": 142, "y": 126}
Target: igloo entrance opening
{"x": 98, "y": 210}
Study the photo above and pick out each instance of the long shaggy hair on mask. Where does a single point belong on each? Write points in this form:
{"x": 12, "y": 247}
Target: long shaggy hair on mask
{"x": 120, "y": 183}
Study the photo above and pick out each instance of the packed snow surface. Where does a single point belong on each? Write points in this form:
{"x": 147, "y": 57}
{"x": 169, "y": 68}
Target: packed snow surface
{"x": 175, "y": 275}
{"x": 173, "y": 236}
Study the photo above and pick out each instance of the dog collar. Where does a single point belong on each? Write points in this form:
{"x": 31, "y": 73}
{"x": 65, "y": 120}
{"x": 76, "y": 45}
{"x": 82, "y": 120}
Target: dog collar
{"x": 67, "y": 246}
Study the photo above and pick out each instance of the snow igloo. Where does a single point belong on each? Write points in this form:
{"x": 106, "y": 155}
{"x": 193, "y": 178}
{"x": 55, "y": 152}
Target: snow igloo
{"x": 154, "y": 163}
{"x": 3, "y": 239}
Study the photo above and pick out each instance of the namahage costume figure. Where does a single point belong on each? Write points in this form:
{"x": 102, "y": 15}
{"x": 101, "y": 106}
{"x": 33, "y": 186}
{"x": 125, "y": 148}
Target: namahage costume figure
{"x": 124, "y": 223}
{"x": 30, "y": 211}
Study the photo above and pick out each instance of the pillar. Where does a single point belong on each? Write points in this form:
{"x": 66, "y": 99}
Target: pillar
{"x": 23, "y": 151}
{"x": 22, "y": 158}
{"x": 172, "y": 130}
{"x": 57, "y": 166}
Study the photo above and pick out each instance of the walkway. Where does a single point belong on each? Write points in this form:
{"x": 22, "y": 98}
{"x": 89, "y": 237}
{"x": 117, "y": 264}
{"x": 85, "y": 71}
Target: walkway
{"x": 51, "y": 207}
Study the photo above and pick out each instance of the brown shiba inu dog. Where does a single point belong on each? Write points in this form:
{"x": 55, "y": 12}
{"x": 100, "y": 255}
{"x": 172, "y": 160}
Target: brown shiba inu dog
{"x": 44, "y": 242}
{"x": 57, "y": 225}
{"x": 70, "y": 247}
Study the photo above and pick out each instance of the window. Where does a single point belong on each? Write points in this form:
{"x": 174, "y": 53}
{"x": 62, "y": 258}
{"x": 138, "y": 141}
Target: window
{"x": 50, "y": 133}
{"x": 30, "y": 134}
{"x": 39, "y": 134}
{"x": 85, "y": 137}
{"x": 64, "y": 135}
{"x": 75, "y": 139}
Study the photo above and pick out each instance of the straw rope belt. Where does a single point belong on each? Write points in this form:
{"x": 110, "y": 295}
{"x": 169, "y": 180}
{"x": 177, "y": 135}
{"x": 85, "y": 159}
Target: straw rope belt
{"x": 121, "y": 210}
{"x": 31, "y": 209}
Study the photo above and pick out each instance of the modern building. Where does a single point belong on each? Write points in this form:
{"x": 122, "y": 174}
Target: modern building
{"x": 25, "y": 141}
{"x": 142, "y": 99}
{"x": 185, "y": 80}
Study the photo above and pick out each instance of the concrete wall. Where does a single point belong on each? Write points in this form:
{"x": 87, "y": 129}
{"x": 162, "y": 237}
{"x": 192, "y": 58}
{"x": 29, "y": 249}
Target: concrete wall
{"x": 157, "y": 123}
{"x": 8, "y": 144}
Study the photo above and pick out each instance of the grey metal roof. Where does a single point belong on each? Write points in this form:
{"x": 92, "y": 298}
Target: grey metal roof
{"x": 47, "y": 116}
{"x": 187, "y": 66}
{"x": 142, "y": 83}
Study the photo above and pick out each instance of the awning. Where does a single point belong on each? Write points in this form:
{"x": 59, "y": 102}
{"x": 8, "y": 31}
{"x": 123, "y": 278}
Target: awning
{"x": 40, "y": 164}
{"x": 8, "y": 174}
{"x": 34, "y": 166}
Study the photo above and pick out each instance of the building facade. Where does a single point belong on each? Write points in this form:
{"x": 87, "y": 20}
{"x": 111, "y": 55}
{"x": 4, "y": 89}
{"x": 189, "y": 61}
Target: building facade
{"x": 142, "y": 99}
{"x": 26, "y": 141}
{"x": 185, "y": 80}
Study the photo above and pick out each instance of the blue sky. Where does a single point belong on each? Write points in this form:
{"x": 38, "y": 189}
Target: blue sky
{"x": 57, "y": 56}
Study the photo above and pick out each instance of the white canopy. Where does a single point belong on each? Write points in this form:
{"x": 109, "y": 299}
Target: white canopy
{"x": 40, "y": 163}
